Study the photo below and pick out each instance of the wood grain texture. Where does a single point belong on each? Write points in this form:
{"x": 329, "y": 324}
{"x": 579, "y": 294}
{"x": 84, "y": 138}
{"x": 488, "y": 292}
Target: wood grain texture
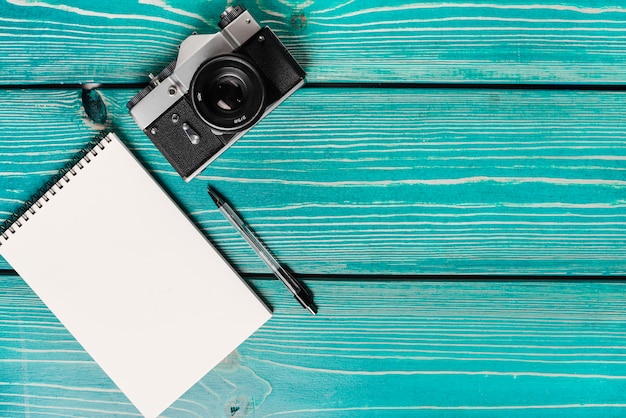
{"x": 524, "y": 41}
{"x": 375, "y": 349}
{"x": 382, "y": 181}
{"x": 340, "y": 182}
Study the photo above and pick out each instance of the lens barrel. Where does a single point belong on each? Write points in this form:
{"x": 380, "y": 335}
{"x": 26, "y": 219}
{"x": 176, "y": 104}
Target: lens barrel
{"x": 228, "y": 93}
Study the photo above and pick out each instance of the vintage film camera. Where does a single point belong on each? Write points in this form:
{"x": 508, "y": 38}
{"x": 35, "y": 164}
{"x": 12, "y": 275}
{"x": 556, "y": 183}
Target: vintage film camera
{"x": 219, "y": 86}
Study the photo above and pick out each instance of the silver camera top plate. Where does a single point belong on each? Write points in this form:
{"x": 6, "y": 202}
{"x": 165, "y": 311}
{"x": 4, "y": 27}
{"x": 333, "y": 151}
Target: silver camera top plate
{"x": 194, "y": 50}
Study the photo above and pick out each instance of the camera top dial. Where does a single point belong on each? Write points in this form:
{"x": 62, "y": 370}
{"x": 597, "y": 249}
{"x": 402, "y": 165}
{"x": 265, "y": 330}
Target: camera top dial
{"x": 231, "y": 13}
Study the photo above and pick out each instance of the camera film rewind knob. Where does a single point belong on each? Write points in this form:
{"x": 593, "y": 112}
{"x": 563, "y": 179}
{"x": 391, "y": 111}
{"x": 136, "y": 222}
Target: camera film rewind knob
{"x": 230, "y": 14}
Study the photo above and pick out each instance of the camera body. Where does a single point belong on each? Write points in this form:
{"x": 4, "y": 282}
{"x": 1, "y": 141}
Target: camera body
{"x": 219, "y": 86}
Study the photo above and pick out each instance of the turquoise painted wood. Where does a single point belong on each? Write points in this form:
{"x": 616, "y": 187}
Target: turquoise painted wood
{"x": 512, "y": 41}
{"x": 358, "y": 186}
{"x": 377, "y": 348}
{"x": 337, "y": 181}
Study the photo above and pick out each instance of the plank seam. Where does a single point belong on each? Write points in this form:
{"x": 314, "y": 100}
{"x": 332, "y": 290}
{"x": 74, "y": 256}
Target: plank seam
{"x": 358, "y": 85}
{"x": 427, "y": 278}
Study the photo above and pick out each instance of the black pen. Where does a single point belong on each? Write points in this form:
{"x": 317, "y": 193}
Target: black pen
{"x": 298, "y": 290}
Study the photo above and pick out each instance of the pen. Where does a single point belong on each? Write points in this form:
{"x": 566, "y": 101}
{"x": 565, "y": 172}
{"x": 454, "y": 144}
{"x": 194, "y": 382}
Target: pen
{"x": 298, "y": 290}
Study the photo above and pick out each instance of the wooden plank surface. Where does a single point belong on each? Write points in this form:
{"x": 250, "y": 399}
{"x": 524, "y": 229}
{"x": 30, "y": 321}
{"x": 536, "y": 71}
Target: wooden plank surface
{"x": 337, "y": 181}
{"x": 350, "y": 183}
{"x": 521, "y": 41}
{"x": 449, "y": 348}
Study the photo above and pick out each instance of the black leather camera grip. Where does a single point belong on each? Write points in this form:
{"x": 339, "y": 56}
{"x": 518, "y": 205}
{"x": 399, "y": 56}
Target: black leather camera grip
{"x": 273, "y": 60}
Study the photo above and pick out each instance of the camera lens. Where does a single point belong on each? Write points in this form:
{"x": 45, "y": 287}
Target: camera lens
{"x": 228, "y": 93}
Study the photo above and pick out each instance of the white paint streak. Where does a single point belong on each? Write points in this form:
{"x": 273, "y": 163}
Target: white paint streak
{"x": 432, "y": 182}
{"x": 444, "y": 408}
{"x": 459, "y": 6}
{"x": 83, "y": 12}
{"x": 163, "y": 5}
{"x": 485, "y": 373}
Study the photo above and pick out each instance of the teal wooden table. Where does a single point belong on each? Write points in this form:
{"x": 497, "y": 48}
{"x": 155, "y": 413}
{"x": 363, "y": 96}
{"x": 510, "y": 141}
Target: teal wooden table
{"x": 451, "y": 184}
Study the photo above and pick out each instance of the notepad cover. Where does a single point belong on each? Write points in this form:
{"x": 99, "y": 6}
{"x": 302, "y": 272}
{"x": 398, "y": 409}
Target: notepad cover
{"x": 130, "y": 276}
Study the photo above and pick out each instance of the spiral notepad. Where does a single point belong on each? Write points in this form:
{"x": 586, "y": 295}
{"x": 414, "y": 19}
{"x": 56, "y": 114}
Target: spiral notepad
{"x": 129, "y": 275}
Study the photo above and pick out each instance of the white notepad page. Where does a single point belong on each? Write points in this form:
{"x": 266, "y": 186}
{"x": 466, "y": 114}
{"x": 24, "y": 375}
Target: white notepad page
{"x": 132, "y": 279}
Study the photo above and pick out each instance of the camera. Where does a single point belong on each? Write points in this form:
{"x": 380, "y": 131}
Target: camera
{"x": 219, "y": 86}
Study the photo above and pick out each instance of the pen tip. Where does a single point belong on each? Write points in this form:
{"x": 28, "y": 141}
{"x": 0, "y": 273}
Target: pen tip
{"x": 312, "y": 308}
{"x": 214, "y": 196}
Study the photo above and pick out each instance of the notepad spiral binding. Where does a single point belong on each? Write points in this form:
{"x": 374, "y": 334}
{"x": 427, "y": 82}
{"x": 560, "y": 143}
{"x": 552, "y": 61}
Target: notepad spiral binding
{"x": 30, "y": 207}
